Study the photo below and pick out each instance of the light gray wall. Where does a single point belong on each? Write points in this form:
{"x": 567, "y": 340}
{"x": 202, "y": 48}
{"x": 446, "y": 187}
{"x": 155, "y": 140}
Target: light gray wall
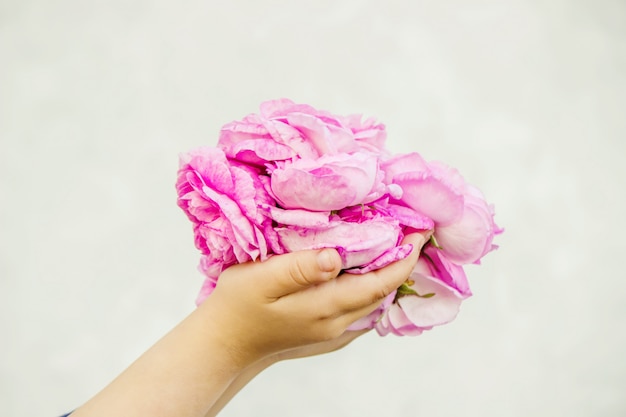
{"x": 526, "y": 98}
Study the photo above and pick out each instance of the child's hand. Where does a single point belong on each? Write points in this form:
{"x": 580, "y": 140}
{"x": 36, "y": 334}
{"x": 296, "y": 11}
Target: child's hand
{"x": 290, "y": 306}
{"x": 296, "y": 303}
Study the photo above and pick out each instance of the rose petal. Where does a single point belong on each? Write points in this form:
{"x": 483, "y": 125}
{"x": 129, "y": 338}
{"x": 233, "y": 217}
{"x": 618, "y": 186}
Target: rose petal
{"x": 297, "y": 217}
{"x": 357, "y": 243}
{"x": 400, "y": 164}
{"x": 331, "y": 182}
{"x": 392, "y": 255}
{"x": 326, "y": 138}
{"x": 431, "y": 197}
{"x": 434, "y": 263}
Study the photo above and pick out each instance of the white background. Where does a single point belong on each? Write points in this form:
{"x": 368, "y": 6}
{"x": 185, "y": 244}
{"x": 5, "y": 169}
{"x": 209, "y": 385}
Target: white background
{"x": 526, "y": 98}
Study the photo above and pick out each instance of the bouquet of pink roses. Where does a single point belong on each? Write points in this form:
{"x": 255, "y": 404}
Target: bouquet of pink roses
{"x": 294, "y": 178}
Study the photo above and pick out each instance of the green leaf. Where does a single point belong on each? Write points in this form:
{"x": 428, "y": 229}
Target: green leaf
{"x": 430, "y": 294}
{"x": 405, "y": 289}
{"x": 433, "y": 241}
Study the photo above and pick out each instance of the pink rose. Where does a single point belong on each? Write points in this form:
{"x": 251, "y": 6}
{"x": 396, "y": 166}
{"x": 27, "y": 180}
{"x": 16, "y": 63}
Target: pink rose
{"x": 464, "y": 224}
{"x": 222, "y": 199}
{"x": 331, "y": 182}
{"x": 431, "y": 297}
{"x": 285, "y": 130}
{"x": 470, "y": 238}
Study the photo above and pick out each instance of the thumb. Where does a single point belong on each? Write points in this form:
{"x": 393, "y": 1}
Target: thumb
{"x": 293, "y": 272}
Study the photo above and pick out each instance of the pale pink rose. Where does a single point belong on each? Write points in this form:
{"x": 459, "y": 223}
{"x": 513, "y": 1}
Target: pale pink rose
{"x": 223, "y": 200}
{"x": 284, "y": 130}
{"x": 357, "y": 243}
{"x": 464, "y": 224}
{"x": 430, "y": 297}
{"x": 470, "y": 238}
{"x": 433, "y": 303}
{"x": 330, "y": 182}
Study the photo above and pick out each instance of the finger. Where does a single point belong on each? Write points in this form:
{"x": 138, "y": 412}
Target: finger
{"x": 396, "y": 273}
{"x": 293, "y": 272}
{"x": 356, "y": 292}
{"x": 349, "y": 318}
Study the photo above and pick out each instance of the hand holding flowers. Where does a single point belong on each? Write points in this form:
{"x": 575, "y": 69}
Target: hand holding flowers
{"x": 295, "y": 178}
{"x": 298, "y": 305}
{"x": 310, "y": 232}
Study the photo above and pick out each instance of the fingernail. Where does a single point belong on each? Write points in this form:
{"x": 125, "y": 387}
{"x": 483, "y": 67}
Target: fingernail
{"x": 326, "y": 260}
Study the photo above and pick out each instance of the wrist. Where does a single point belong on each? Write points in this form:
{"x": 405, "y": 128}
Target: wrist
{"x": 227, "y": 337}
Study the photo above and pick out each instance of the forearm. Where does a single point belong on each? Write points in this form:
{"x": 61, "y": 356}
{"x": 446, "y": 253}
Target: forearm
{"x": 184, "y": 374}
{"x": 304, "y": 351}
{"x": 238, "y": 383}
